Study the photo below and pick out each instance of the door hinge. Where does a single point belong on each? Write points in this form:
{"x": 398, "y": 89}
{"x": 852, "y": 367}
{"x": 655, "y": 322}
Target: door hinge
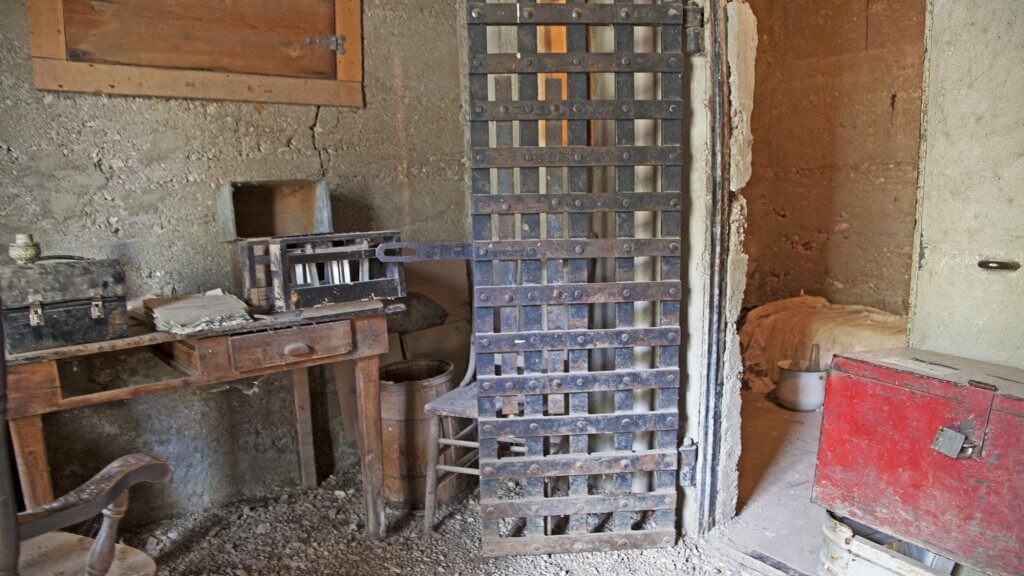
{"x": 693, "y": 24}
{"x": 335, "y": 43}
{"x": 688, "y": 463}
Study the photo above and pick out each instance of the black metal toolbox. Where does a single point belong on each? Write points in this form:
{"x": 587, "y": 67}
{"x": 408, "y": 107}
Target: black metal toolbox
{"x": 53, "y": 303}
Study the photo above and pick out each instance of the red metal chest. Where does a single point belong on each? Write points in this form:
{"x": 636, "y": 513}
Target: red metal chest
{"x": 930, "y": 449}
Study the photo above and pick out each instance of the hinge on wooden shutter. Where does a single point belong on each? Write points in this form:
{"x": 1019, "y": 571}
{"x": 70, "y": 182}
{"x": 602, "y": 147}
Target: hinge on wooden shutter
{"x": 688, "y": 464}
{"x": 35, "y": 311}
{"x": 335, "y": 43}
{"x": 693, "y": 24}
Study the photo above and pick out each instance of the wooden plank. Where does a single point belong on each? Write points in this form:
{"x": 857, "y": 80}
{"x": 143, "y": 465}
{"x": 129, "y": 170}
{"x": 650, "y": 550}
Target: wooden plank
{"x": 46, "y": 29}
{"x": 371, "y": 447}
{"x": 560, "y": 544}
{"x": 348, "y": 22}
{"x": 264, "y": 37}
{"x": 304, "y": 427}
{"x": 138, "y": 81}
{"x": 33, "y": 465}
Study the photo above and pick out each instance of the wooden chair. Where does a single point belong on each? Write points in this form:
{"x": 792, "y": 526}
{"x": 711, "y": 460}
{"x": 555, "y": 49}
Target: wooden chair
{"x": 458, "y": 405}
{"x": 44, "y": 551}
{"x": 29, "y": 542}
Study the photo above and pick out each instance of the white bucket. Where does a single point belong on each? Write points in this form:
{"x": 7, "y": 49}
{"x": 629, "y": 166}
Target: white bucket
{"x": 801, "y": 390}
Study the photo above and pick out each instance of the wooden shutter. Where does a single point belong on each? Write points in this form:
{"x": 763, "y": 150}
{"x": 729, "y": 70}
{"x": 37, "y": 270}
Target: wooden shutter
{"x": 298, "y": 52}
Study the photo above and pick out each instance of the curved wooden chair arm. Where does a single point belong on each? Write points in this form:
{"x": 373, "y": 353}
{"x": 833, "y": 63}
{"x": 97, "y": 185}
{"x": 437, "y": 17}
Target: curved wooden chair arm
{"x": 91, "y": 498}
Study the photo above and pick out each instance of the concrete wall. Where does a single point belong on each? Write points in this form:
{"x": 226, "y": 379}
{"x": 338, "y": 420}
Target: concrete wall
{"x": 972, "y": 166}
{"x": 136, "y": 179}
{"x": 836, "y": 122}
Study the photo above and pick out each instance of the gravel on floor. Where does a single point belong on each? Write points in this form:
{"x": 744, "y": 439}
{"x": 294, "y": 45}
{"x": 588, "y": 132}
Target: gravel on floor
{"x": 320, "y": 531}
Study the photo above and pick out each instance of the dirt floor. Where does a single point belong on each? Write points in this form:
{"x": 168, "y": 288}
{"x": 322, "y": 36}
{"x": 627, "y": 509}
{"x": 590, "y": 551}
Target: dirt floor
{"x": 320, "y": 532}
{"x": 777, "y": 519}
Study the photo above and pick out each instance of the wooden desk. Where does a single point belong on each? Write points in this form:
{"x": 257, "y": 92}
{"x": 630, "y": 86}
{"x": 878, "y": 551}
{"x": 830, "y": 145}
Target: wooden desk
{"x": 355, "y": 332}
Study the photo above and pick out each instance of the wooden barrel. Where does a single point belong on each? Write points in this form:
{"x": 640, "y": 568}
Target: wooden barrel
{"x": 405, "y": 388}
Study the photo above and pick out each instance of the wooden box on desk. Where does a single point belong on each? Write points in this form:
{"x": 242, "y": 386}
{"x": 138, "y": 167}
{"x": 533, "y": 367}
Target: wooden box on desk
{"x": 297, "y": 272}
{"x": 928, "y": 448}
{"x": 54, "y": 303}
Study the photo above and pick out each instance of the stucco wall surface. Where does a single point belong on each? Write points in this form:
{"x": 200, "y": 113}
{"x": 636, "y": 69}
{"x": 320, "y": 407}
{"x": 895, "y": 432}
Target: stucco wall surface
{"x": 835, "y": 124}
{"x": 136, "y": 179}
{"x": 972, "y": 165}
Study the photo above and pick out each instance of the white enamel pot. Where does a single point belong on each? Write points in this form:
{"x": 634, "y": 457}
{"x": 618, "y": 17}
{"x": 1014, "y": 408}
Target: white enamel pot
{"x": 801, "y": 390}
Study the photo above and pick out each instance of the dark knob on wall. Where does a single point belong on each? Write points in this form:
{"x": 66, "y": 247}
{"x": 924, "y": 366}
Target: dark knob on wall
{"x": 999, "y": 265}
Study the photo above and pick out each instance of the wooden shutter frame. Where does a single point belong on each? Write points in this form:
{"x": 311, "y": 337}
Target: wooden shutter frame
{"x": 53, "y": 71}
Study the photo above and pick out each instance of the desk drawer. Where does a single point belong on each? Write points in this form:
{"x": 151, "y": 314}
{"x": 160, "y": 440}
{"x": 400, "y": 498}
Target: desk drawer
{"x": 255, "y": 351}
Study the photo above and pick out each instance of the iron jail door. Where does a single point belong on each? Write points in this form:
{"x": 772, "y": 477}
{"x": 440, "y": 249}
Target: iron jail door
{"x": 556, "y": 290}
{"x": 576, "y": 133}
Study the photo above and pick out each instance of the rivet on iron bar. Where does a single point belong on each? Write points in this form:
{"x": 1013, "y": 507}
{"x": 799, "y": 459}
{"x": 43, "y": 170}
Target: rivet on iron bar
{"x": 626, "y": 293}
{"x": 476, "y": 13}
{"x": 577, "y": 14}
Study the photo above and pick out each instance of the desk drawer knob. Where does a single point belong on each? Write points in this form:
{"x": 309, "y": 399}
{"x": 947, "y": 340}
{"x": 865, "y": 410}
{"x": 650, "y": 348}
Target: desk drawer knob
{"x": 297, "y": 350}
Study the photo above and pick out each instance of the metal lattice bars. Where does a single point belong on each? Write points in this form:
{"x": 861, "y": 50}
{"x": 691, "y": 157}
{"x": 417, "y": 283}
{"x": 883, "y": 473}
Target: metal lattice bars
{"x": 565, "y": 363}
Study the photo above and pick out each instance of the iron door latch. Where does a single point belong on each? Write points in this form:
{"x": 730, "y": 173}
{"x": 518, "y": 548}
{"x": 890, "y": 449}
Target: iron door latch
{"x": 688, "y": 464}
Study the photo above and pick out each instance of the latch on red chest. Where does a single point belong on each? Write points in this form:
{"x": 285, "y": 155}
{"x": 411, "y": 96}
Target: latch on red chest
{"x": 964, "y": 437}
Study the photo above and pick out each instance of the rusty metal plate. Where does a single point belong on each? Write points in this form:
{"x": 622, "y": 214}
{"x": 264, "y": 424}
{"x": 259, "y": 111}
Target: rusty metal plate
{"x": 578, "y": 110}
{"x": 480, "y": 13}
{"x": 535, "y": 157}
{"x": 591, "y": 63}
{"x": 577, "y": 293}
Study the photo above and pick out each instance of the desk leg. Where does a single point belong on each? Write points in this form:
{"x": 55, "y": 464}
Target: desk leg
{"x": 371, "y": 447}
{"x": 30, "y": 455}
{"x": 304, "y": 427}
{"x": 344, "y": 382}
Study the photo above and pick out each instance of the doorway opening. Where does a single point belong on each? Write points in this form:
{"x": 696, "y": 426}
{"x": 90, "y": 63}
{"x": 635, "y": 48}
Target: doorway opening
{"x": 829, "y": 236}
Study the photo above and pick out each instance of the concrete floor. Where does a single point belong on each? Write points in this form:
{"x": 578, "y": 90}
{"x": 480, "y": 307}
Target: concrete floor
{"x": 777, "y": 522}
